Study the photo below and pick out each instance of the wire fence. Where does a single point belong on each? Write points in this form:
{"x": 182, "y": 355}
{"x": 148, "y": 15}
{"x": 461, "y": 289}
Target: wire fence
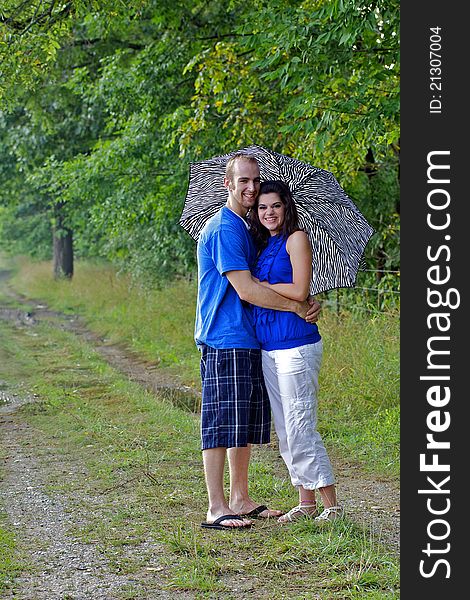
{"x": 376, "y": 291}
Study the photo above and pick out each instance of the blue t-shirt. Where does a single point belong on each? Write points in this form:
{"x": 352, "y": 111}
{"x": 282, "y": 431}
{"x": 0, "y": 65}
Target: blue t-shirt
{"x": 275, "y": 329}
{"x": 222, "y": 320}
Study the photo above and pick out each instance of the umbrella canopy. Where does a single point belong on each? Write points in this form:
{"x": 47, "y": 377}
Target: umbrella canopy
{"x": 337, "y": 230}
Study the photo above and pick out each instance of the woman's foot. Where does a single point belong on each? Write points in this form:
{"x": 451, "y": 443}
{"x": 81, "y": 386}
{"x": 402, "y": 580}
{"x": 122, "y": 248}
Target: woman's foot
{"x": 301, "y": 511}
{"x": 330, "y": 514}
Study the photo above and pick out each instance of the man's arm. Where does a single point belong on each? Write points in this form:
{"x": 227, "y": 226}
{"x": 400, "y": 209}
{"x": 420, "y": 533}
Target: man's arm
{"x": 300, "y": 254}
{"x": 254, "y": 293}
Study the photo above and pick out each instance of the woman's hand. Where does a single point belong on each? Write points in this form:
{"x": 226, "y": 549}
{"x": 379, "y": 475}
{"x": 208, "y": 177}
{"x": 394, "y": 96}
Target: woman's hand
{"x": 314, "y": 310}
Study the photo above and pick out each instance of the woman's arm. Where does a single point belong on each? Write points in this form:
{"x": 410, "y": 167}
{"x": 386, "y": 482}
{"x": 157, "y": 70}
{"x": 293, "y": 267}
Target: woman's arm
{"x": 254, "y": 293}
{"x": 300, "y": 253}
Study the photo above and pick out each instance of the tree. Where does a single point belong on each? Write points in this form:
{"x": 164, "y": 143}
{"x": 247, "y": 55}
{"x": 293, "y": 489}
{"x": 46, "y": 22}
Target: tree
{"x": 318, "y": 80}
{"x": 104, "y": 126}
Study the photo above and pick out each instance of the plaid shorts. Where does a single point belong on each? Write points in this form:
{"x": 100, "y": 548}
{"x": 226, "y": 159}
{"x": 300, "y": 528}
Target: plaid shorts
{"x": 235, "y": 407}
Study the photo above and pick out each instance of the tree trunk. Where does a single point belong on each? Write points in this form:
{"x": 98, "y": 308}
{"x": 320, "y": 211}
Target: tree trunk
{"x": 63, "y": 254}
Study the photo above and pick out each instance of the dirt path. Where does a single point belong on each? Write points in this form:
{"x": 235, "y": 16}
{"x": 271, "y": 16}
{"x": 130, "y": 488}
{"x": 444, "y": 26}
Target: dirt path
{"x": 59, "y": 566}
{"x": 63, "y": 567}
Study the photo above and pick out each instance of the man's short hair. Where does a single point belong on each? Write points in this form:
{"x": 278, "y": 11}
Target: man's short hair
{"x": 233, "y": 159}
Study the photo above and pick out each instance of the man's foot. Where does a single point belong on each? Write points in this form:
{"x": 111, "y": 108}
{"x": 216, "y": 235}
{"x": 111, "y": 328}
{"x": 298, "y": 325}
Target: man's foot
{"x": 252, "y": 510}
{"x": 227, "y": 519}
{"x": 301, "y": 511}
{"x": 227, "y": 522}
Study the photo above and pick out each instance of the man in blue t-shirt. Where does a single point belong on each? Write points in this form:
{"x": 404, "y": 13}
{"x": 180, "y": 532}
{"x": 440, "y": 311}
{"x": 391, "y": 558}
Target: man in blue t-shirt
{"x": 235, "y": 410}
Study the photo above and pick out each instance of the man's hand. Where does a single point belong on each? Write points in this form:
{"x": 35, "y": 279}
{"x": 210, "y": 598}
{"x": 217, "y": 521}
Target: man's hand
{"x": 314, "y": 310}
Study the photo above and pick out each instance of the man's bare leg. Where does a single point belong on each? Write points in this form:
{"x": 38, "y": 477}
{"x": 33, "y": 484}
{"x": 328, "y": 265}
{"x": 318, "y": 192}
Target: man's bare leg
{"x": 240, "y": 501}
{"x": 214, "y": 462}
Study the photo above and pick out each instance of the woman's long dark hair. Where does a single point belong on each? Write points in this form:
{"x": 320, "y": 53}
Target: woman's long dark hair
{"x": 291, "y": 217}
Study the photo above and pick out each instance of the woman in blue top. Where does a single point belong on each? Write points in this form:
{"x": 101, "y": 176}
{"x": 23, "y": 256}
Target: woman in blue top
{"x": 291, "y": 351}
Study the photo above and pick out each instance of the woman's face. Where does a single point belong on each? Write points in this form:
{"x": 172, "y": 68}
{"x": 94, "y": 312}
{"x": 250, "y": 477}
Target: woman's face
{"x": 271, "y": 212}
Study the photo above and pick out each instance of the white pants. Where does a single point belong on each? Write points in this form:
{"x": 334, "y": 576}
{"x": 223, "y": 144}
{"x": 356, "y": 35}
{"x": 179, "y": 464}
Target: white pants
{"x": 291, "y": 378}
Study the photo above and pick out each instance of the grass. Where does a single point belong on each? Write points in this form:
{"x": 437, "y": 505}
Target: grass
{"x": 359, "y": 395}
{"x": 157, "y": 324}
{"x": 140, "y": 456}
{"x": 9, "y": 561}
{"x": 359, "y": 379}
{"x": 9, "y": 564}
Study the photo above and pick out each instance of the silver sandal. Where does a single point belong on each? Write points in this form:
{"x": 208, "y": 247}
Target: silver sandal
{"x": 301, "y": 511}
{"x": 331, "y": 514}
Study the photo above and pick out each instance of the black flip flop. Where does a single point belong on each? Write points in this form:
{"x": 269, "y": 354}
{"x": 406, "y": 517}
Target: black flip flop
{"x": 255, "y": 513}
{"x": 217, "y": 524}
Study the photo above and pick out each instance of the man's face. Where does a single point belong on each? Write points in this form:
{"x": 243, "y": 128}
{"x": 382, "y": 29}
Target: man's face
{"x": 243, "y": 186}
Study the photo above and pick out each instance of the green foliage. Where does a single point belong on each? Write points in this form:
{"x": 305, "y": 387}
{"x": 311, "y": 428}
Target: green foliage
{"x": 321, "y": 82}
{"x": 106, "y": 103}
{"x": 24, "y": 232}
{"x": 34, "y": 34}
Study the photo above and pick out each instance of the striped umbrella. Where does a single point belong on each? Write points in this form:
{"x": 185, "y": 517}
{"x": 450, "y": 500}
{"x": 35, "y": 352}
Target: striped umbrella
{"x": 337, "y": 230}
